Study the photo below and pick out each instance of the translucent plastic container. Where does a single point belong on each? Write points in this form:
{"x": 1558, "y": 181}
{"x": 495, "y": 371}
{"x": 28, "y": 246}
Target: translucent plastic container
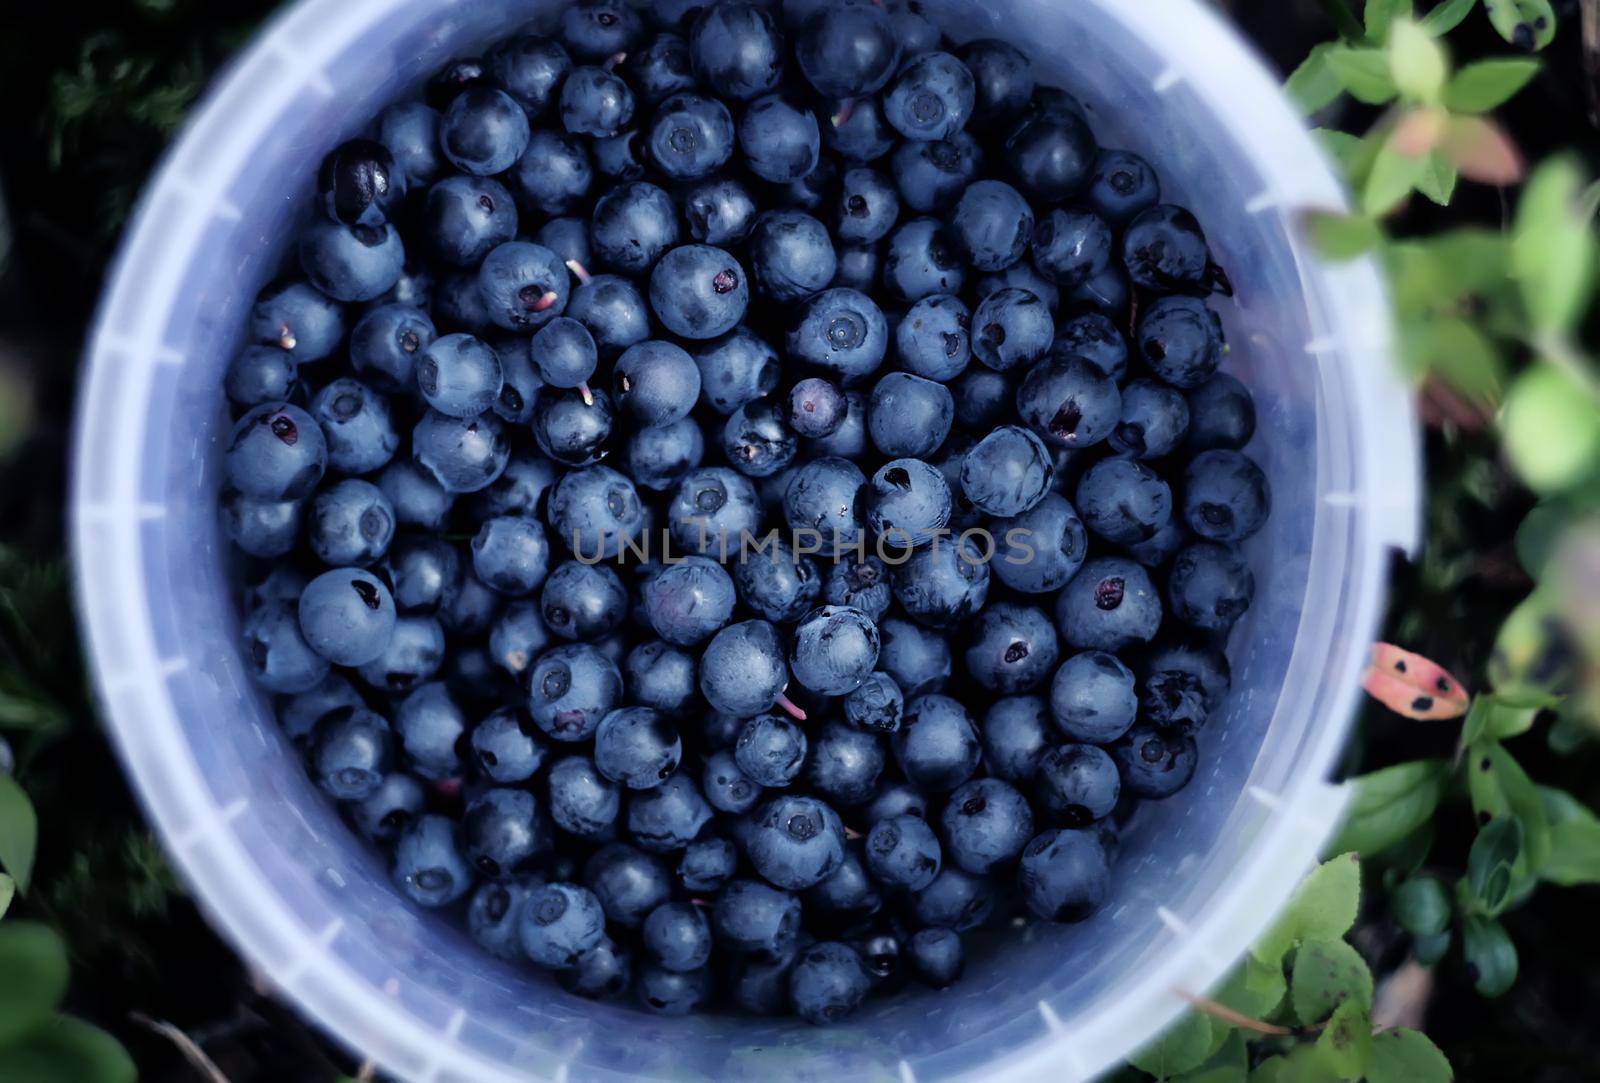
{"x": 311, "y": 906}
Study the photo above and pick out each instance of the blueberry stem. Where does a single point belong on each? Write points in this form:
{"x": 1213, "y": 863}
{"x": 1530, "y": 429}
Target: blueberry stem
{"x": 788, "y": 705}
{"x": 579, "y": 271}
{"x": 614, "y": 59}
{"x": 286, "y": 338}
{"x": 548, "y": 298}
{"x": 847, "y": 109}
{"x": 583, "y": 389}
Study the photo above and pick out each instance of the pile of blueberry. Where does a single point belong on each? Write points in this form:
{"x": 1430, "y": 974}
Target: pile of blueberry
{"x": 575, "y": 332}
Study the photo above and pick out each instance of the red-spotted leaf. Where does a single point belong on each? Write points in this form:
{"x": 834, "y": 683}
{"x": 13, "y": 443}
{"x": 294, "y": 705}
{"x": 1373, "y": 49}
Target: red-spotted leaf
{"x": 1411, "y": 685}
{"x": 1482, "y": 151}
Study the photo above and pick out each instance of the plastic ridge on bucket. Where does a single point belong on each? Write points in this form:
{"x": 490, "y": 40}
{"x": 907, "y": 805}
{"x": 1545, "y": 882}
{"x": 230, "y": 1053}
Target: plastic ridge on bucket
{"x": 309, "y": 904}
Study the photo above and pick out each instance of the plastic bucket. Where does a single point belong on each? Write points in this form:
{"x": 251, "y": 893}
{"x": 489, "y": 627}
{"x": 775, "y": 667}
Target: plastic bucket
{"x": 311, "y": 906}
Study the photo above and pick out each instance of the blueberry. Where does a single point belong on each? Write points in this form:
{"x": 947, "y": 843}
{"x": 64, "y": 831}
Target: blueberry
{"x": 706, "y": 865}
{"x": 410, "y": 132}
{"x": 1012, "y": 648}
{"x": 582, "y": 801}
{"x": 821, "y": 499}
{"x": 867, "y": 206}
{"x": 795, "y": 842}
{"x": 493, "y": 913}
{"x": 677, "y": 937}
{"x": 559, "y": 923}
{"x": 932, "y": 98}
{"x": 698, "y": 291}
{"x": 993, "y": 225}
{"x": 858, "y": 132}
{"x": 846, "y": 50}
{"x": 568, "y": 238}
{"x": 726, "y": 787}
{"x": 1064, "y": 875}
{"x": 428, "y": 865}
{"x": 688, "y": 601}
{"x": 662, "y": 677}
{"x": 259, "y": 374}
{"x": 595, "y": 102}
{"x": 917, "y": 658}
{"x": 1092, "y": 338}
{"x": 656, "y": 382}
{"x": 791, "y": 256}
{"x": 817, "y": 408}
{"x": 985, "y": 824}
{"x": 1225, "y": 496}
{"x": 936, "y": 957}
{"x": 666, "y": 818}
{"x": 858, "y": 266}
{"x": 691, "y": 137}
{"x": 1069, "y": 403}
{"x": 569, "y": 429}
{"x": 597, "y": 29}
{"x": 659, "y": 69}
{"x": 459, "y": 376}
{"x": 937, "y": 747}
{"x": 1165, "y": 251}
{"x": 849, "y": 440}
{"x": 984, "y": 399}
{"x": 388, "y": 810}
{"x": 753, "y": 919}
{"x": 1221, "y": 415}
{"x": 828, "y": 982}
{"x": 1071, "y": 247}
{"x": 351, "y": 263}
{"x": 1210, "y": 586}
{"x": 350, "y": 753}
{"x": 903, "y": 852}
{"x": 737, "y": 49}
{"x": 413, "y": 654}
{"x": 261, "y": 528}
{"x": 554, "y": 174}
{"x": 1181, "y": 340}
{"x": 778, "y": 583}
{"x": 1002, "y": 78}
{"x": 842, "y": 331}
{"x": 454, "y": 78}
{"x": 742, "y": 671}
{"x": 484, "y": 131}
{"x": 877, "y": 705}
{"x": 909, "y": 416}
{"x": 633, "y": 225}
{"x": 564, "y": 352}
{"x": 1052, "y": 155}
{"x": 933, "y": 174}
{"x": 895, "y": 799}
{"x": 462, "y": 454}
{"x": 458, "y": 304}
{"x": 505, "y": 751}
{"x": 1123, "y": 501}
{"x": 1007, "y": 472}
{"x": 1181, "y": 683}
{"x": 351, "y": 523}
{"x": 1077, "y": 784}
{"x": 735, "y": 369}
{"x": 834, "y": 649}
{"x": 1041, "y": 549}
{"x": 583, "y": 601}
{"x": 463, "y": 218}
{"x": 848, "y": 894}
{"x": 431, "y": 725}
{"x": 1026, "y": 276}
{"x": 297, "y": 317}
{"x": 1110, "y": 604}
{"x": 385, "y": 345}
{"x": 1155, "y": 420}
{"x": 921, "y": 261}
{"x": 595, "y": 512}
{"x": 756, "y": 440}
{"x": 943, "y": 584}
{"x": 1161, "y": 548}
{"x": 779, "y": 139}
{"x": 955, "y": 900}
{"x": 276, "y": 452}
{"x": 524, "y": 287}
{"x": 604, "y": 972}
{"x": 844, "y": 765}
{"x": 712, "y": 510}
{"x": 347, "y": 616}
{"x": 503, "y": 832}
{"x": 719, "y": 211}
{"x": 628, "y": 882}
{"x": 636, "y": 747}
{"x": 1092, "y": 698}
{"x": 862, "y": 584}
{"x": 612, "y": 310}
{"x": 530, "y": 68}
{"x": 658, "y": 457}
{"x": 1015, "y": 735}
{"x": 1011, "y": 329}
{"x": 1123, "y": 186}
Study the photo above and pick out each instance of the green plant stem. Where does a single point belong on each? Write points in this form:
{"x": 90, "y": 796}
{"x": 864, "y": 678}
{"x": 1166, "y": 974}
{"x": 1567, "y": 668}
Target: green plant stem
{"x": 1344, "y": 19}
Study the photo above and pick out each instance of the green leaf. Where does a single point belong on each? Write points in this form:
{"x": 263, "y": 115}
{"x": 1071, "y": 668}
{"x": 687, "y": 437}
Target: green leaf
{"x": 1378, "y": 14}
{"x": 1390, "y": 804}
{"x": 1500, "y": 787}
{"x": 1421, "y": 906}
{"x": 1255, "y": 988}
{"x": 1553, "y": 247}
{"x": 1458, "y": 353}
{"x": 1568, "y": 734}
{"x": 1342, "y": 237}
{"x": 1417, "y": 63}
{"x": 1403, "y": 1055}
{"x": 33, "y": 961}
{"x": 1527, "y": 24}
{"x": 1184, "y": 1046}
{"x": 1325, "y": 974}
{"x": 1538, "y": 534}
{"x": 1313, "y": 85}
{"x": 1488, "y": 84}
{"x": 67, "y": 1050}
{"x": 1491, "y": 956}
{"x": 1574, "y": 856}
{"x": 8, "y": 891}
{"x": 1364, "y": 73}
{"x": 1446, "y": 16}
{"x": 1428, "y": 950}
{"x": 1494, "y": 853}
{"x": 19, "y": 832}
{"x": 1551, "y": 429}
{"x": 1323, "y": 908}
{"x": 1531, "y": 663}
{"x": 1393, "y": 177}
{"x": 1345, "y": 1044}
{"x": 1438, "y": 180}
{"x": 1299, "y": 1064}
{"x": 1492, "y": 719}
{"x": 1229, "y": 1064}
